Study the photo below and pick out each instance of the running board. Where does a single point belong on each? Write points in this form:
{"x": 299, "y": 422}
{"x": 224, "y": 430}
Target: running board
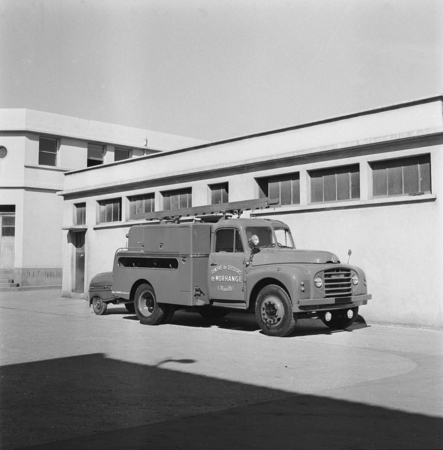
{"x": 228, "y": 304}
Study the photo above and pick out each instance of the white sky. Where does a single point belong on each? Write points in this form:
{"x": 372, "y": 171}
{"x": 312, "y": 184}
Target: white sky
{"x": 217, "y": 69}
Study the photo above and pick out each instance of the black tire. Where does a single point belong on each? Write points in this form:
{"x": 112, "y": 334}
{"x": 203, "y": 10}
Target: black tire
{"x": 130, "y": 307}
{"x": 148, "y": 311}
{"x": 340, "y": 319}
{"x": 99, "y": 306}
{"x": 273, "y": 311}
{"x": 209, "y": 312}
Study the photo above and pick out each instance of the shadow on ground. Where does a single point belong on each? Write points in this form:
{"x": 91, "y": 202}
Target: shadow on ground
{"x": 93, "y": 402}
{"x": 243, "y": 321}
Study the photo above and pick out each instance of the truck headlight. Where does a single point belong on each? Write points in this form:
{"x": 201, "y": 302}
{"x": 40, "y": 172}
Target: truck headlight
{"x": 354, "y": 279}
{"x": 318, "y": 282}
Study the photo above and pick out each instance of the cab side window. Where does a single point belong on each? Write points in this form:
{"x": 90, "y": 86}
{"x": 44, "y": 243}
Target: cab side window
{"x": 228, "y": 240}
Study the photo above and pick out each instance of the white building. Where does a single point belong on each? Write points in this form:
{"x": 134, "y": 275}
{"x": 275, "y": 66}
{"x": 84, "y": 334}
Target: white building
{"x": 36, "y": 150}
{"x": 368, "y": 181}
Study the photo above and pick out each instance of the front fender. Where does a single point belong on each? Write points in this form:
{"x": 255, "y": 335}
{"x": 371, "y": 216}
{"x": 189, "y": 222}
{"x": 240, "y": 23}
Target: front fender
{"x": 289, "y": 276}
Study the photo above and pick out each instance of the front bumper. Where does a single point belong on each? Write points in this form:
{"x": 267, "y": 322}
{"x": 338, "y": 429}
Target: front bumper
{"x": 316, "y": 304}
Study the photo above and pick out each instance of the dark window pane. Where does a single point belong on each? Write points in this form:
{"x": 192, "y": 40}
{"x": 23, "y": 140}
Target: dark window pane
{"x": 425, "y": 173}
{"x": 296, "y": 191}
{"x": 8, "y": 221}
{"x": 175, "y": 201}
{"x": 8, "y": 231}
{"x": 411, "y": 176}
{"x": 316, "y": 187}
{"x": 380, "y": 179}
{"x": 285, "y": 191}
{"x": 80, "y": 213}
{"x": 93, "y": 163}
{"x": 225, "y": 193}
{"x": 395, "y": 178}
{"x": 184, "y": 200}
{"x": 224, "y": 241}
{"x": 47, "y": 159}
{"x": 95, "y": 151}
{"x": 355, "y": 184}
{"x": 121, "y": 154}
{"x": 262, "y": 187}
{"x": 330, "y": 186}
{"x": 343, "y": 184}
{"x": 274, "y": 189}
{"x": 216, "y": 196}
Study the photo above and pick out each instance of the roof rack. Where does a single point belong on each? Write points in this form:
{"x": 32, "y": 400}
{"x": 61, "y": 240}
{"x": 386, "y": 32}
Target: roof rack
{"x": 213, "y": 212}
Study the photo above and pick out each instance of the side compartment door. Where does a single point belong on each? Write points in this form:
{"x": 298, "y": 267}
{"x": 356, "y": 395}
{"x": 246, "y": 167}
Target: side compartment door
{"x": 227, "y": 266}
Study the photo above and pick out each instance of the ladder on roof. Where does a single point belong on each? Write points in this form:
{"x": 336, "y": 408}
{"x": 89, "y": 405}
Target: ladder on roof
{"x": 221, "y": 209}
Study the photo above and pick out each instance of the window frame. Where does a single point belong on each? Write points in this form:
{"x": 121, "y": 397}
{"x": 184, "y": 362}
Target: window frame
{"x": 167, "y": 202}
{"x": 268, "y": 184}
{"x": 122, "y": 149}
{"x": 93, "y": 158}
{"x": 133, "y": 215}
{"x": 103, "y": 210}
{"x": 236, "y": 234}
{"x": 324, "y": 175}
{"x": 46, "y": 152}
{"x": 80, "y": 213}
{"x": 224, "y": 192}
{"x": 399, "y": 166}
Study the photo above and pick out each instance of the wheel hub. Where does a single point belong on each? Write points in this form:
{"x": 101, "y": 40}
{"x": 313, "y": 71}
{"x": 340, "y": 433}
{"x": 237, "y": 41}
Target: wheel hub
{"x": 272, "y": 311}
{"x": 147, "y": 305}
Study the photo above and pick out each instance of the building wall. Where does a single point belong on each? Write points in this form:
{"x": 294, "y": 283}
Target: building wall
{"x": 395, "y": 239}
{"x": 33, "y": 188}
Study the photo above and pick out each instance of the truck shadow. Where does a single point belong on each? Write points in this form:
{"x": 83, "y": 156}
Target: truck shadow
{"x": 91, "y": 401}
{"x": 241, "y": 321}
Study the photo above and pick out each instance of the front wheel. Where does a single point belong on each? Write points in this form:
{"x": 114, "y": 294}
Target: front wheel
{"x": 148, "y": 311}
{"x": 273, "y": 311}
{"x": 340, "y": 318}
{"x": 99, "y": 306}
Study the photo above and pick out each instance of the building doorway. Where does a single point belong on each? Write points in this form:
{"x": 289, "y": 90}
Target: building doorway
{"x": 79, "y": 261}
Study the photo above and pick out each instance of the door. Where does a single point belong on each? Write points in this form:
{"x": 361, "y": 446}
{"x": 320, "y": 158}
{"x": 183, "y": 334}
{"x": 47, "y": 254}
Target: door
{"x": 7, "y": 238}
{"x": 79, "y": 263}
{"x": 227, "y": 266}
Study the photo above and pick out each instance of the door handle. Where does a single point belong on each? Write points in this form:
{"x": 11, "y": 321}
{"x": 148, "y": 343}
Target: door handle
{"x": 213, "y": 264}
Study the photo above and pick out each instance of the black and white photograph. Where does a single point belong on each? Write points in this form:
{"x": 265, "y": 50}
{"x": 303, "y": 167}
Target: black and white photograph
{"x": 221, "y": 224}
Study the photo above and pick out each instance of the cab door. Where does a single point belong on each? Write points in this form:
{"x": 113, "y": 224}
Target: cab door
{"x": 227, "y": 266}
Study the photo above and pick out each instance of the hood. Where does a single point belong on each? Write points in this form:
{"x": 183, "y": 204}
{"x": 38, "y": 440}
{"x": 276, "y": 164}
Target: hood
{"x": 289, "y": 256}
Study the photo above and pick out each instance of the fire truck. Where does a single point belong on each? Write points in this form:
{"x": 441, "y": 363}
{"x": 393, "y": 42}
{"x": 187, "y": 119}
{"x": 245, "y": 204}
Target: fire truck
{"x": 207, "y": 260}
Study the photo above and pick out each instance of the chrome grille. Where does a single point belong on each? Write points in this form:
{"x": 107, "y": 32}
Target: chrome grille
{"x": 338, "y": 283}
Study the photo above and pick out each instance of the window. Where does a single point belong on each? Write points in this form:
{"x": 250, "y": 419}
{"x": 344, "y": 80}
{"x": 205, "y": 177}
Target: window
{"x": 95, "y": 155}
{"x": 228, "y": 240}
{"x": 80, "y": 214}
{"x": 8, "y": 226}
{"x": 402, "y": 176}
{"x": 141, "y": 204}
{"x": 338, "y": 183}
{"x": 47, "y": 151}
{"x": 284, "y": 188}
{"x": 180, "y": 198}
{"x": 121, "y": 153}
{"x": 219, "y": 193}
{"x": 110, "y": 210}
{"x": 152, "y": 263}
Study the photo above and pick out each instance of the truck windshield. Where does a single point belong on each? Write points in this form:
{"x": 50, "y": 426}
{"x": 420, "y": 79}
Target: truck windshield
{"x": 284, "y": 237}
{"x": 281, "y": 237}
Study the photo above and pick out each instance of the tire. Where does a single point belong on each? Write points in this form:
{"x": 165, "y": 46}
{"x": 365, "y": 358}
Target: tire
{"x": 209, "y": 312}
{"x": 340, "y": 319}
{"x": 273, "y": 311}
{"x": 130, "y": 307}
{"x": 148, "y": 311}
{"x": 99, "y": 306}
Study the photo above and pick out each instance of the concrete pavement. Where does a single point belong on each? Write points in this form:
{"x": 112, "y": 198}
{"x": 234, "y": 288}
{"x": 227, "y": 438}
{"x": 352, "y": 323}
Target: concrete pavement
{"x": 70, "y": 379}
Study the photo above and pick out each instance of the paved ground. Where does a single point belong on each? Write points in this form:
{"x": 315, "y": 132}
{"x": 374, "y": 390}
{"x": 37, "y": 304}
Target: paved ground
{"x": 73, "y": 380}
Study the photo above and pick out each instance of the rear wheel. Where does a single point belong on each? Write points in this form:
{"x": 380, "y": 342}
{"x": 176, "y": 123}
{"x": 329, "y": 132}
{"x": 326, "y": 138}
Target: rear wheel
{"x": 99, "y": 306}
{"x": 340, "y": 318}
{"x": 273, "y": 311}
{"x": 148, "y": 311}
